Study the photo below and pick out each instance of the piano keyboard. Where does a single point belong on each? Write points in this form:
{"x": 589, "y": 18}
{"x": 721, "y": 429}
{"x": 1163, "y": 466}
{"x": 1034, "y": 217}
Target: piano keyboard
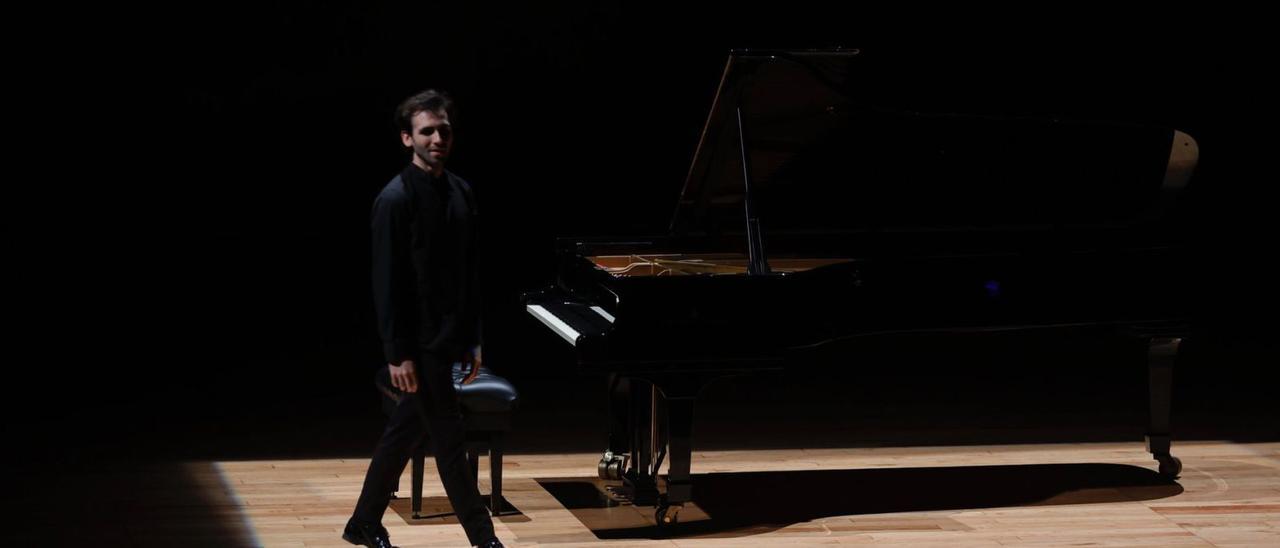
{"x": 572, "y": 320}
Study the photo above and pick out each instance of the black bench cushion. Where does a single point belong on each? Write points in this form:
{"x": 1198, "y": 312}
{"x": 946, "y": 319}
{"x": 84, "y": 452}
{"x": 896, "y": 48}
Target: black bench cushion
{"x": 489, "y": 393}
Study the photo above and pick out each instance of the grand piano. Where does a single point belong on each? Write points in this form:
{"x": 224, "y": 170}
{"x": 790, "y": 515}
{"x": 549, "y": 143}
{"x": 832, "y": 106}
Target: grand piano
{"x": 815, "y": 213}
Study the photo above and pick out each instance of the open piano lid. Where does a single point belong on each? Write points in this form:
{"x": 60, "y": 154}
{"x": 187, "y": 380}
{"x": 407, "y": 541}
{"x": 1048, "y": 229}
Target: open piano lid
{"x": 825, "y": 159}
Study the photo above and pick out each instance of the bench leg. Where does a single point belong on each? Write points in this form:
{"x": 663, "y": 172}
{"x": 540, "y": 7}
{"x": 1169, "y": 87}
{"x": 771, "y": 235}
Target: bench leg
{"x": 473, "y": 459}
{"x": 419, "y": 456}
{"x": 495, "y": 473}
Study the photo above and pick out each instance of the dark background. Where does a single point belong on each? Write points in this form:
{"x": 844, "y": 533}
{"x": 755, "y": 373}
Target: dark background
{"x": 191, "y": 244}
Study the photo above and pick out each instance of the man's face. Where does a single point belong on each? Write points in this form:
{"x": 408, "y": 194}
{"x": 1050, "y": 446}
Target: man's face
{"x": 431, "y": 140}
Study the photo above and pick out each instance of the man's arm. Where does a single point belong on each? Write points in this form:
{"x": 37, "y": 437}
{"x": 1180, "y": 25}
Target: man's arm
{"x": 392, "y": 281}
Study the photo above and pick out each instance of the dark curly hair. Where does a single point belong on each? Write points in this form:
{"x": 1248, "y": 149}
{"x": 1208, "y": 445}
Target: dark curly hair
{"x": 429, "y": 100}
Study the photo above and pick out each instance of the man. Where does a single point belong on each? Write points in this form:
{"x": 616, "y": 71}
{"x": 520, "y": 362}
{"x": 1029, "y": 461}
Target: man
{"x": 425, "y": 285}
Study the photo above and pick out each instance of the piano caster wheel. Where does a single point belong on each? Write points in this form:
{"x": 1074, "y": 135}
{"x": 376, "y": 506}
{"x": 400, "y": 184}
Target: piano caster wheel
{"x": 611, "y": 466}
{"x": 1170, "y": 466}
{"x": 667, "y": 514}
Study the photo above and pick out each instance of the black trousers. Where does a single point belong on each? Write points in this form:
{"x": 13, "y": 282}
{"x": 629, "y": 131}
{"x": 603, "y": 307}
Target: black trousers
{"x": 430, "y": 414}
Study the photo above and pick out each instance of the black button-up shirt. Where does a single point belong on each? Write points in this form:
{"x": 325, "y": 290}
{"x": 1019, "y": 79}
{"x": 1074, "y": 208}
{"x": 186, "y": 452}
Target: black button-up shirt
{"x": 425, "y": 271}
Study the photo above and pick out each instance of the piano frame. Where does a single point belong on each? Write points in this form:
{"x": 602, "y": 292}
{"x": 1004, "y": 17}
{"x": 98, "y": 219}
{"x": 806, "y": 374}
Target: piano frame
{"x": 613, "y": 298}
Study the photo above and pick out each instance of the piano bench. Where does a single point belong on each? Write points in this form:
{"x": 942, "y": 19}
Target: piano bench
{"x": 486, "y": 405}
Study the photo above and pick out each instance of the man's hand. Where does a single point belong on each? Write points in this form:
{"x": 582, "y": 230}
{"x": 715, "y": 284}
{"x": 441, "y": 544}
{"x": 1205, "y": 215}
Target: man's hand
{"x": 473, "y": 359}
{"x": 403, "y": 376}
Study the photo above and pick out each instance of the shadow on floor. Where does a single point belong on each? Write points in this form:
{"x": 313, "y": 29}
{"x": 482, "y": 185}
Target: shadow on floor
{"x": 750, "y": 503}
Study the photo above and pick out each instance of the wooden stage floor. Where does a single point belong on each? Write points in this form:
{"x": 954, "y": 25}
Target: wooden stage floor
{"x": 1095, "y": 494}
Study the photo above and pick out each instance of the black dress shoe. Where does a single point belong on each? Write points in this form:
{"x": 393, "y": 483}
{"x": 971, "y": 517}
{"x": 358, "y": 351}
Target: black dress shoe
{"x": 491, "y": 543}
{"x": 364, "y": 534}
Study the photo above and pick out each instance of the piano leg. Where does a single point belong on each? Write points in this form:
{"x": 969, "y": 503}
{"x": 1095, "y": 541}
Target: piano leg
{"x": 1161, "y": 353}
{"x": 613, "y": 464}
{"x": 680, "y": 455}
{"x": 642, "y": 477}
{"x": 652, "y": 421}
{"x": 635, "y": 440}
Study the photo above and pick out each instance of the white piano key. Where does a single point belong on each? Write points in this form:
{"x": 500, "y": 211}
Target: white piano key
{"x": 603, "y": 314}
{"x": 556, "y": 324}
